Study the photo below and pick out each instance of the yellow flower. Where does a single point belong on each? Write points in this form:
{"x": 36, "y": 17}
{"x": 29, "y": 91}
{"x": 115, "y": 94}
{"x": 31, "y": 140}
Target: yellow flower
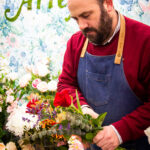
{"x": 60, "y": 117}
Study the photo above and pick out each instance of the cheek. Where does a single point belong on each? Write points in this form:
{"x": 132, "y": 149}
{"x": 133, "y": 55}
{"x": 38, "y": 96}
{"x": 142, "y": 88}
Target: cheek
{"x": 96, "y": 22}
{"x": 94, "y": 25}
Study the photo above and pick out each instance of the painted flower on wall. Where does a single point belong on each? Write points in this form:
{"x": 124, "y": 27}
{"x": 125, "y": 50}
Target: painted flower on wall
{"x": 11, "y": 39}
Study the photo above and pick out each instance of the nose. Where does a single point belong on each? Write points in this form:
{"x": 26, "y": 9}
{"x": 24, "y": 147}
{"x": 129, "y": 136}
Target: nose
{"x": 82, "y": 24}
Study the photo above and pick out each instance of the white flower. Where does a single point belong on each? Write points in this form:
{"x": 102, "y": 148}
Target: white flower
{"x": 25, "y": 80}
{"x": 45, "y": 61}
{"x": 147, "y": 132}
{"x": 34, "y": 70}
{"x": 11, "y": 146}
{"x": 52, "y": 85}
{"x": 9, "y": 99}
{"x": 12, "y": 76}
{"x": 16, "y": 124}
{"x": 0, "y": 109}
{"x": 28, "y": 68}
{"x": 42, "y": 86}
{"x": 42, "y": 70}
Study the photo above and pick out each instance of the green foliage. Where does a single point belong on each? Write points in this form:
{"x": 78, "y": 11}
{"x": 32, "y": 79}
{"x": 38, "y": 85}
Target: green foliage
{"x": 78, "y": 102}
{"x": 99, "y": 120}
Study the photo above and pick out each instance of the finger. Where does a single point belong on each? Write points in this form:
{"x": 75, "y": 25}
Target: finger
{"x": 102, "y": 143}
{"x": 107, "y": 147}
{"x": 98, "y": 137}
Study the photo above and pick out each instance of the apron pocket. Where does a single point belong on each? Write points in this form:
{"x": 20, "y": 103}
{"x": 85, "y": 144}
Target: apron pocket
{"x": 97, "y": 91}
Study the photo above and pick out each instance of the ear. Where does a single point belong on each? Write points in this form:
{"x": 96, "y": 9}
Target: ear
{"x": 108, "y": 5}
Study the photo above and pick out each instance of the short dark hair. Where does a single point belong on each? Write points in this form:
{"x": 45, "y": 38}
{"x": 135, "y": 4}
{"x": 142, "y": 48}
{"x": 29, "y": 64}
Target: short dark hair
{"x": 100, "y": 1}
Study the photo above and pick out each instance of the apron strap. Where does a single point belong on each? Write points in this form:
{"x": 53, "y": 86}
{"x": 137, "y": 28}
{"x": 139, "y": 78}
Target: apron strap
{"x": 84, "y": 48}
{"x": 120, "y": 41}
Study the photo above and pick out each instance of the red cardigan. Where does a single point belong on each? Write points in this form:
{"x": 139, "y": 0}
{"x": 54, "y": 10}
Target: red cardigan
{"x": 136, "y": 61}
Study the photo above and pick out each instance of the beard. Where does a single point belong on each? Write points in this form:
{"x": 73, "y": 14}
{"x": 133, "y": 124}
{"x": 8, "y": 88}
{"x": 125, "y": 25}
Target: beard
{"x": 104, "y": 29}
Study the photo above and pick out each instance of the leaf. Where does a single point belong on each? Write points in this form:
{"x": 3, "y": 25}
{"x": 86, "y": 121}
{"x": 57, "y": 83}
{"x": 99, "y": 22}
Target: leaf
{"x": 62, "y": 148}
{"x": 64, "y": 122}
{"x": 89, "y": 136}
{"x": 78, "y": 102}
{"x": 67, "y": 136}
{"x": 120, "y": 148}
{"x": 100, "y": 119}
{"x": 87, "y": 116}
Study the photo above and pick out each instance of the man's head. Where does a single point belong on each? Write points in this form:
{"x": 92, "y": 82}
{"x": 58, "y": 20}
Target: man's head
{"x": 94, "y": 18}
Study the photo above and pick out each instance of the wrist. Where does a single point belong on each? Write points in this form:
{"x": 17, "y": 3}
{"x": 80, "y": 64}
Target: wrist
{"x": 118, "y": 135}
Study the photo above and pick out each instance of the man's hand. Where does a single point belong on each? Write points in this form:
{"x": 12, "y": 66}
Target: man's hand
{"x": 91, "y": 112}
{"x": 107, "y": 139}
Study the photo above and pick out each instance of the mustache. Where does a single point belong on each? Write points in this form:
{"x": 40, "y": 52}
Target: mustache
{"x": 88, "y": 30}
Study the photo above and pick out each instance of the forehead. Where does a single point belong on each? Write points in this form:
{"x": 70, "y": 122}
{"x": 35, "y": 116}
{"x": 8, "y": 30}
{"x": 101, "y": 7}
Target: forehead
{"x": 76, "y": 7}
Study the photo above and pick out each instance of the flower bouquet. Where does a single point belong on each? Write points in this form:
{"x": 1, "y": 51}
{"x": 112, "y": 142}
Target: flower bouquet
{"x": 58, "y": 121}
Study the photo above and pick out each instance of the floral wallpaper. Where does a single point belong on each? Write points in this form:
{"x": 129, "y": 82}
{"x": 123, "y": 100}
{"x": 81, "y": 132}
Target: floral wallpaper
{"x": 40, "y": 33}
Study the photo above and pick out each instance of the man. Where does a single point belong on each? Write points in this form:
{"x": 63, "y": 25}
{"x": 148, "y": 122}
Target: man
{"x": 108, "y": 61}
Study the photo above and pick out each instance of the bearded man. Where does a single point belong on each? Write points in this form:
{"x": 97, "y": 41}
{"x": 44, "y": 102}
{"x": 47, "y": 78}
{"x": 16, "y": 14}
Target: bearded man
{"x": 108, "y": 61}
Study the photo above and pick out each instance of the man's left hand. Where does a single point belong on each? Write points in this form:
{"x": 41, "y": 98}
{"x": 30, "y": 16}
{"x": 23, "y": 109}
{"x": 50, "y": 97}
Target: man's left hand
{"x": 107, "y": 139}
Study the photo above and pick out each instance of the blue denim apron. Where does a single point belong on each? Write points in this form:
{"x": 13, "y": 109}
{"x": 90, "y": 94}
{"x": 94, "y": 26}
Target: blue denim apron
{"x": 104, "y": 86}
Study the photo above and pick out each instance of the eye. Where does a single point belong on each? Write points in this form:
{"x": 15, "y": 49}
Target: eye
{"x": 86, "y": 16}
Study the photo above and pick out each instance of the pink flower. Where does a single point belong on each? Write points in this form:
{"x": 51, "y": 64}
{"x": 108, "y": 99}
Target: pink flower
{"x": 61, "y": 143}
{"x": 10, "y": 91}
{"x": 10, "y": 99}
{"x": 36, "y": 82}
{"x": 11, "y": 107}
{"x": 75, "y": 143}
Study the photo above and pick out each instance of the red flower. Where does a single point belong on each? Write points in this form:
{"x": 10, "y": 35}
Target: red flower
{"x": 62, "y": 99}
{"x": 34, "y": 106}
